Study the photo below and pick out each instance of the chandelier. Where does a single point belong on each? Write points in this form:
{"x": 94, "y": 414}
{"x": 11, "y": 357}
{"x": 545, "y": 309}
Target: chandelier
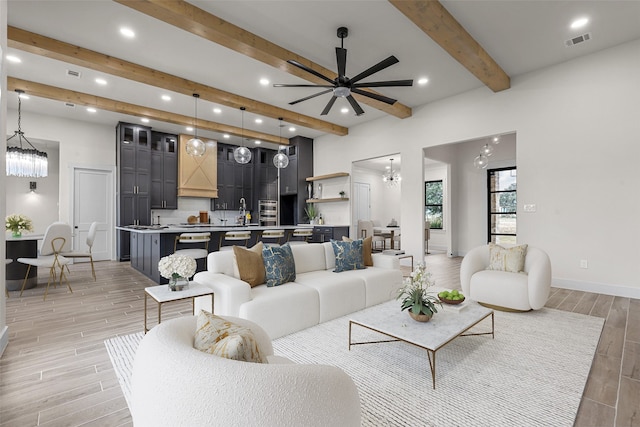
{"x": 195, "y": 147}
{"x": 391, "y": 177}
{"x": 25, "y": 162}
{"x": 242, "y": 154}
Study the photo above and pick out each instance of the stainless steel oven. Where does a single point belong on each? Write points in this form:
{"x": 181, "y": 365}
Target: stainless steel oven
{"x": 268, "y": 212}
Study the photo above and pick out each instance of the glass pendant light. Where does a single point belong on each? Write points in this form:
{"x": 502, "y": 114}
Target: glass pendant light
{"x": 486, "y": 150}
{"x": 280, "y": 160}
{"x": 242, "y": 154}
{"x": 481, "y": 161}
{"x": 24, "y": 162}
{"x": 195, "y": 147}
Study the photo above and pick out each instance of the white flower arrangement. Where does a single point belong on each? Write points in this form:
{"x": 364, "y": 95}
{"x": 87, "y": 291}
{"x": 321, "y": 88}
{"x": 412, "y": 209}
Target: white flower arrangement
{"x": 174, "y": 266}
{"x": 18, "y": 223}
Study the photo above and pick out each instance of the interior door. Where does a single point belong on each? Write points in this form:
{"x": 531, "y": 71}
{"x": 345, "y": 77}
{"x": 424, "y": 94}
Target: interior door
{"x": 361, "y": 202}
{"x": 93, "y": 196}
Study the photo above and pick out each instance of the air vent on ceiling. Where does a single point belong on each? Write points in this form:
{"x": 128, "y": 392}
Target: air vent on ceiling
{"x": 70, "y": 104}
{"x": 577, "y": 40}
{"x": 74, "y": 73}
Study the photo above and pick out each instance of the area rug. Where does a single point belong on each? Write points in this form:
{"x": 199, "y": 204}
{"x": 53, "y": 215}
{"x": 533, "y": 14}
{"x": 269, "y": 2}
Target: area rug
{"x": 532, "y": 374}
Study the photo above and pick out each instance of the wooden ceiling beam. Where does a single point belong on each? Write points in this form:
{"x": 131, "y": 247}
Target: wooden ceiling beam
{"x": 55, "y": 49}
{"x": 188, "y": 17}
{"x": 436, "y": 21}
{"x": 79, "y": 98}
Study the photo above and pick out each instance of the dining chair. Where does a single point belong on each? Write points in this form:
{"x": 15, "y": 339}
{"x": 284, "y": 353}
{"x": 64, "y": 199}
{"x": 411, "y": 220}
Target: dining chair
{"x": 91, "y": 236}
{"x": 57, "y": 239}
{"x": 200, "y": 240}
{"x": 234, "y": 237}
{"x": 365, "y": 229}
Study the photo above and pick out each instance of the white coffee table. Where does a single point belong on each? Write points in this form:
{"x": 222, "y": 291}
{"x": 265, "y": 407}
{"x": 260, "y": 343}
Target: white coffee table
{"x": 161, "y": 294}
{"x": 444, "y": 326}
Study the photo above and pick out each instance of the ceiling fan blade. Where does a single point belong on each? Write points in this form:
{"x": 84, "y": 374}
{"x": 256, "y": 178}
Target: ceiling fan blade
{"x": 285, "y": 85}
{"x": 310, "y": 71}
{"x": 341, "y": 59}
{"x": 311, "y": 96}
{"x": 375, "y": 96}
{"x": 378, "y": 67}
{"x": 356, "y": 107}
{"x": 329, "y": 105}
{"x": 386, "y": 83}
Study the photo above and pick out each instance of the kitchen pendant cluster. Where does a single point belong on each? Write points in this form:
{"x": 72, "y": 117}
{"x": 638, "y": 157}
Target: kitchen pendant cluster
{"x": 25, "y": 162}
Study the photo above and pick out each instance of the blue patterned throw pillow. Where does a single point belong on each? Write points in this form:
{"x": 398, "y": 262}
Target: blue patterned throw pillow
{"x": 278, "y": 264}
{"x": 349, "y": 255}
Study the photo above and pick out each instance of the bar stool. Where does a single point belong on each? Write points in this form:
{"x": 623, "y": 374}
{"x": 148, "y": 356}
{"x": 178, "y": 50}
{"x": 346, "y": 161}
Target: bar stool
{"x": 267, "y": 236}
{"x": 201, "y": 239}
{"x": 234, "y": 236}
{"x": 301, "y": 235}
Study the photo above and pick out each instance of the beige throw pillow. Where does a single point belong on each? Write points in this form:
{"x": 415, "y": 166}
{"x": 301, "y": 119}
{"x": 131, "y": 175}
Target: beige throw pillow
{"x": 250, "y": 264}
{"x": 367, "y": 248}
{"x": 507, "y": 259}
{"x": 220, "y": 337}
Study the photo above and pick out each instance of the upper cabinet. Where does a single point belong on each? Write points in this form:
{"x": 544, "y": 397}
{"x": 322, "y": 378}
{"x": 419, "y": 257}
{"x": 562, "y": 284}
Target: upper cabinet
{"x": 197, "y": 176}
{"x": 292, "y": 180}
{"x": 164, "y": 171}
{"x": 235, "y": 180}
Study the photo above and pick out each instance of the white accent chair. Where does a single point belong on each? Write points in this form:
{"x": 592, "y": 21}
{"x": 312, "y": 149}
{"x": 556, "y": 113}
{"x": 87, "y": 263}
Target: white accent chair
{"x": 173, "y": 384}
{"x": 91, "y": 237}
{"x": 501, "y": 289}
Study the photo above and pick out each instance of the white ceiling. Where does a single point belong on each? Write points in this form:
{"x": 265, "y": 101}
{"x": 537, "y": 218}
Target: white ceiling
{"x": 521, "y": 36}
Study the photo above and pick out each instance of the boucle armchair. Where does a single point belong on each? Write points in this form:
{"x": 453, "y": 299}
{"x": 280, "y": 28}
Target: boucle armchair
{"x": 524, "y": 291}
{"x": 173, "y": 384}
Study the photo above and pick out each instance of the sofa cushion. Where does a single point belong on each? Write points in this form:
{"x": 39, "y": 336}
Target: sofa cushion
{"x": 500, "y": 288}
{"x": 348, "y": 255}
{"x": 223, "y": 338}
{"x": 250, "y": 264}
{"x": 339, "y": 294}
{"x": 507, "y": 259}
{"x": 367, "y": 249}
{"x": 309, "y": 257}
{"x": 279, "y": 265}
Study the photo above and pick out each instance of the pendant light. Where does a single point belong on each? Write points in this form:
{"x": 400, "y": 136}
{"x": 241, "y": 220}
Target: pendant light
{"x": 280, "y": 160}
{"x": 481, "y": 161}
{"x": 195, "y": 147}
{"x": 391, "y": 177}
{"x": 25, "y": 162}
{"x": 242, "y": 154}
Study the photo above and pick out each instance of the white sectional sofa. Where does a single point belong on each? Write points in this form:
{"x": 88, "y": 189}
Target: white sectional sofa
{"x": 317, "y": 295}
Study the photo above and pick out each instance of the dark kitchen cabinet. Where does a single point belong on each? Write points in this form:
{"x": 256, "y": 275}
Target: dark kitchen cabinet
{"x": 133, "y": 151}
{"x": 164, "y": 171}
{"x": 235, "y": 180}
{"x": 324, "y": 233}
{"x": 146, "y": 253}
{"x": 293, "y": 180}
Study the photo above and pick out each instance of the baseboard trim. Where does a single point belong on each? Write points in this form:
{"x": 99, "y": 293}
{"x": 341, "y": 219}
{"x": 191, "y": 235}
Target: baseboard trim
{"x": 4, "y": 340}
{"x": 599, "y": 288}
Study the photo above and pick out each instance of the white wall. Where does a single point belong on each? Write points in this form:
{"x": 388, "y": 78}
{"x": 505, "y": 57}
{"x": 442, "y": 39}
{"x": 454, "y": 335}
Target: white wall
{"x": 385, "y": 201}
{"x": 577, "y": 150}
{"x": 4, "y": 334}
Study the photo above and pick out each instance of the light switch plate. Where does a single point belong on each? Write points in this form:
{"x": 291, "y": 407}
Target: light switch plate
{"x": 531, "y": 207}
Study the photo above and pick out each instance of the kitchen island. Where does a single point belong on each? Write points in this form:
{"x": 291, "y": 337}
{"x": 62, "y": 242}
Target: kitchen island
{"x": 151, "y": 242}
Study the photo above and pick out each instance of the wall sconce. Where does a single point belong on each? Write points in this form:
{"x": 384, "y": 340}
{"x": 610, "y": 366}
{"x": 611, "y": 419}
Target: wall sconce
{"x": 32, "y": 186}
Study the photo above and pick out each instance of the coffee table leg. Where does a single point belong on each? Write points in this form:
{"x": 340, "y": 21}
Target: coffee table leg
{"x": 350, "y": 323}
{"x": 145, "y": 313}
{"x": 159, "y": 312}
{"x": 431, "y": 355}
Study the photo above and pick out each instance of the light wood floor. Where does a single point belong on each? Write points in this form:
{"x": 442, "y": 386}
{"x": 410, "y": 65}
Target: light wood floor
{"x": 56, "y": 371}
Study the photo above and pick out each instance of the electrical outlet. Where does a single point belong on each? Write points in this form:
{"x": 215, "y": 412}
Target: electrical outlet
{"x": 584, "y": 263}
{"x": 530, "y": 207}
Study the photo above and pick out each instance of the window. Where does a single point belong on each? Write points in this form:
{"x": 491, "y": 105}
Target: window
{"x": 502, "y": 186}
{"x": 433, "y": 203}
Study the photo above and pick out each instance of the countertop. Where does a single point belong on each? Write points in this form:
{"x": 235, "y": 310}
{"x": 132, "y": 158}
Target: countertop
{"x": 186, "y": 228}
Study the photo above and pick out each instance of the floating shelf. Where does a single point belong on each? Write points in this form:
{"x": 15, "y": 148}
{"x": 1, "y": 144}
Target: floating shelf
{"x": 331, "y": 175}
{"x": 335, "y": 199}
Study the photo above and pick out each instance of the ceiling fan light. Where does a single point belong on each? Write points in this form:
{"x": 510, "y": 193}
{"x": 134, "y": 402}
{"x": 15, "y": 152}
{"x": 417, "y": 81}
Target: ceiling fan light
{"x": 342, "y": 91}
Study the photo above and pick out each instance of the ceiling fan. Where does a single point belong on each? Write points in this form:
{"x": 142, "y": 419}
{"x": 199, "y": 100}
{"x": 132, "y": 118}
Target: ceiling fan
{"x": 343, "y": 86}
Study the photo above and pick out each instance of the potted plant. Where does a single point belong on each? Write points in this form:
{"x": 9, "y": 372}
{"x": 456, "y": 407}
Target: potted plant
{"x": 311, "y": 212}
{"x": 416, "y": 297}
{"x": 17, "y": 223}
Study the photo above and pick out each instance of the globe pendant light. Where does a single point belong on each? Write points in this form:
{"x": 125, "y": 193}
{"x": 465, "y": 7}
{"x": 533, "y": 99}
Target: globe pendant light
{"x": 391, "y": 177}
{"x": 486, "y": 150}
{"x": 195, "y": 147}
{"x": 280, "y": 160}
{"x": 25, "y": 162}
{"x": 481, "y": 162}
{"x": 242, "y": 154}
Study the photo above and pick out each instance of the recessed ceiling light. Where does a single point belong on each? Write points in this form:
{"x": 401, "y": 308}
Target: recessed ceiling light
{"x": 217, "y": 110}
{"x": 292, "y": 129}
{"x": 166, "y": 98}
{"x": 127, "y": 32}
{"x": 423, "y": 81}
{"x": 579, "y": 23}
{"x": 226, "y": 136}
{"x": 258, "y": 142}
{"x": 14, "y": 59}
{"x": 344, "y": 110}
{"x": 144, "y": 120}
{"x": 101, "y": 81}
{"x": 189, "y": 129}
{"x": 91, "y": 110}
{"x": 264, "y": 82}
{"x": 258, "y": 121}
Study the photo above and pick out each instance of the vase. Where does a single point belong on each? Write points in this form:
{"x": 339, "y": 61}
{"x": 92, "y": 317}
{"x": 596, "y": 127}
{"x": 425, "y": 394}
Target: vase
{"x": 16, "y": 233}
{"x": 178, "y": 283}
{"x": 420, "y": 317}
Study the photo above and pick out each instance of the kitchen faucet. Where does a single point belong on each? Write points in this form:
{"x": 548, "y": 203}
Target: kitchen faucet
{"x": 243, "y": 209}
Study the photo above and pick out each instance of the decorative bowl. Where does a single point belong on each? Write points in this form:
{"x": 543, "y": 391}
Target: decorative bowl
{"x": 451, "y": 301}
{"x": 420, "y": 317}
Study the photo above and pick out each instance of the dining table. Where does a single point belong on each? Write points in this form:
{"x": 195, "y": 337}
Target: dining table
{"x": 387, "y": 233}
{"x": 25, "y": 246}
